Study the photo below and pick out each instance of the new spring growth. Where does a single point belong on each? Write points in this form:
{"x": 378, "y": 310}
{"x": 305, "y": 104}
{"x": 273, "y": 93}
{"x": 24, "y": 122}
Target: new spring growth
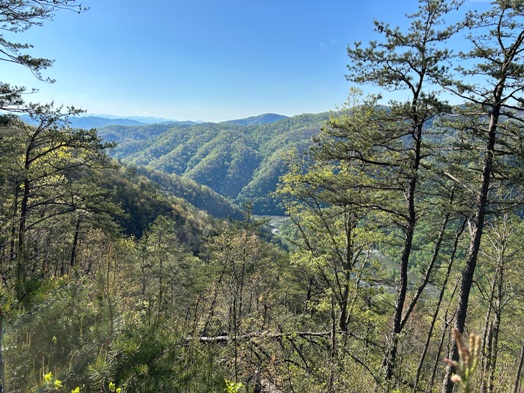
{"x": 468, "y": 359}
{"x": 113, "y": 388}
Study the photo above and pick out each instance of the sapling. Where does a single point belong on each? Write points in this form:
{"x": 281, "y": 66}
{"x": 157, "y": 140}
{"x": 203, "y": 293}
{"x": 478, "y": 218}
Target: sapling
{"x": 468, "y": 359}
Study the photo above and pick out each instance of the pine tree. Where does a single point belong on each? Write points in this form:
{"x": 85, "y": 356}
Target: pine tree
{"x": 17, "y": 17}
{"x": 490, "y": 81}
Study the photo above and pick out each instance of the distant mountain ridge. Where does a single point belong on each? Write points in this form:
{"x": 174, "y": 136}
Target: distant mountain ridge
{"x": 140, "y": 119}
{"x": 97, "y": 121}
{"x": 260, "y": 119}
{"x": 88, "y": 122}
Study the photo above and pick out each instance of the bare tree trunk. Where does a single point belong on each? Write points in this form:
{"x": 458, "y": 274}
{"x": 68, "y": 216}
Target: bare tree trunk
{"x": 74, "y": 248}
{"x": 445, "y": 332}
{"x": 12, "y": 243}
{"x": 504, "y": 68}
{"x": 21, "y": 246}
{"x": 476, "y": 236}
{"x": 519, "y": 371}
{"x": 437, "y": 308}
{"x": 2, "y": 364}
{"x": 404, "y": 262}
{"x": 495, "y": 330}
{"x": 486, "y": 337}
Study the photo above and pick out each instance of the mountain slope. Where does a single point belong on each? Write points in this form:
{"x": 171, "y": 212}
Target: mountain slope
{"x": 240, "y": 162}
{"x": 199, "y": 196}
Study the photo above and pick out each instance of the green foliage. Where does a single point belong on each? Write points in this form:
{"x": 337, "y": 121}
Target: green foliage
{"x": 57, "y": 333}
{"x": 200, "y": 196}
{"x": 153, "y": 357}
{"x": 233, "y": 387}
{"x": 242, "y": 163}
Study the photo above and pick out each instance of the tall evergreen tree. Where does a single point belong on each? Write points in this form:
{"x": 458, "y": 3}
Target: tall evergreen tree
{"x": 408, "y": 61}
{"x": 490, "y": 81}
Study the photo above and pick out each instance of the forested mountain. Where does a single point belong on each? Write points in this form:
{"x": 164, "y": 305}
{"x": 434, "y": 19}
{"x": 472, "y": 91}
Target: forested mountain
{"x": 240, "y": 162}
{"x": 404, "y": 232}
{"x": 199, "y": 196}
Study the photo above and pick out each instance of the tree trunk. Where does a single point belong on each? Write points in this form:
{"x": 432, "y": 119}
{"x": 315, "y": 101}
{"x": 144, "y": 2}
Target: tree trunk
{"x": 496, "y": 329}
{"x": 21, "y": 249}
{"x": 437, "y": 308}
{"x": 503, "y": 71}
{"x": 74, "y": 248}
{"x": 486, "y": 336}
{"x": 406, "y": 252}
{"x": 519, "y": 371}
{"x": 2, "y": 364}
{"x": 475, "y": 238}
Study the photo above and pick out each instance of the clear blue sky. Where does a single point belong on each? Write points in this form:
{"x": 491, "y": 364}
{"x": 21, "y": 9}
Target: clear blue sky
{"x": 209, "y": 60}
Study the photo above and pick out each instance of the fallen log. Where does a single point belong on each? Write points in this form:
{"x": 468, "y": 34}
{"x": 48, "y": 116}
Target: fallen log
{"x": 248, "y": 336}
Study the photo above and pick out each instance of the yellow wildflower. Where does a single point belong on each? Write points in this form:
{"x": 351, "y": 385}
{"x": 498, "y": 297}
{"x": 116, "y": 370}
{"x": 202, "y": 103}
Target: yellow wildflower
{"x": 48, "y": 377}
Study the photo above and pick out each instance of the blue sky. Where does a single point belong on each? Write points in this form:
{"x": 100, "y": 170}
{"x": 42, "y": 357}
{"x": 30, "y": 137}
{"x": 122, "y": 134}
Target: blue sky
{"x": 209, "y": 60}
